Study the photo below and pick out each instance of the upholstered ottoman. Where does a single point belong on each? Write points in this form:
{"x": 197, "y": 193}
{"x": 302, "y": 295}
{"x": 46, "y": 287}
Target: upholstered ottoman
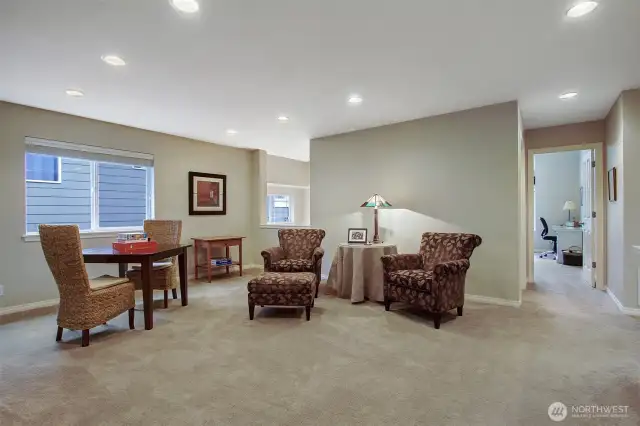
{"x": 282, "y": 289}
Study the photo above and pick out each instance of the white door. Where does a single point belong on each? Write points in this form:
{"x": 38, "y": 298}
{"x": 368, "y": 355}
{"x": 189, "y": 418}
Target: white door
{"x": 587, "y": 208}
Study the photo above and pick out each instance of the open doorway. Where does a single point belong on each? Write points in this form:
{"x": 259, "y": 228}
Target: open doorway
{"x": 565, "y": 232}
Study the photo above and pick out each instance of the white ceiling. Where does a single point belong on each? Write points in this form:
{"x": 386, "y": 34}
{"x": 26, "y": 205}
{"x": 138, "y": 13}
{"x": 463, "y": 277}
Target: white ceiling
{"x": 241, "y": 63}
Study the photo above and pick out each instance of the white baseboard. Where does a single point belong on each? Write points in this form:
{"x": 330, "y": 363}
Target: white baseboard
{"x": 10, "y": 310}
{"x": 635, "y": 312}
{"x": 492, "y": 300}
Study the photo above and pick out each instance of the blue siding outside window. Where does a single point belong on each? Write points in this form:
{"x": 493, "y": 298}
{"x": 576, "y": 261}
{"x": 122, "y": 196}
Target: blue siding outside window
{"x": 122, "y": 193}
{"x": 64, "y": 203}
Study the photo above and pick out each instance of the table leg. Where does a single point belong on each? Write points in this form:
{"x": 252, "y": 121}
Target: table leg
{"x": 209, "y": 261}
{"x": 122, "y": 269}
{"x": 147, "y": 292}
{"x": 227, "y": 255}
{"x": 195, "y": 257}
{"x": 240, "y": 256}
{"x": 182, "y": 265}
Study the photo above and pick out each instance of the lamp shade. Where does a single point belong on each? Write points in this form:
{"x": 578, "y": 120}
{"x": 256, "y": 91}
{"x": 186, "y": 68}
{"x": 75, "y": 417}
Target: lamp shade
{"x": 376, "y": 201}
{"x": 569, "y": 205}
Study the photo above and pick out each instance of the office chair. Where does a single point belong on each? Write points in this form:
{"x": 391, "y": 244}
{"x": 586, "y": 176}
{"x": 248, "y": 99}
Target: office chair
{"x": 547, "y": 237}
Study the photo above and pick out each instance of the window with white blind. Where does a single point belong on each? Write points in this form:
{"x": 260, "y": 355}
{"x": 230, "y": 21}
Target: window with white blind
{"x": 96, "y": 188}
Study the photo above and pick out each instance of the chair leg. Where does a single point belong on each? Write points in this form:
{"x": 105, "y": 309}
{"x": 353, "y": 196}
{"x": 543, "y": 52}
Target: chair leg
{"x": 166, "y": 299}
{"x": 308, "y": 312}
{"x": 460, "y": 311}
{"x": 59, "y": 334}
{"x": 252, "y": 309}
{"x": 132, "y": 316}
{"x": 85, "y": 338}
{"x": 387, "y": 303}
{"x": 174, "y": 291}
{"x": 317, "y": 288}
{"x": 436, "y": 320}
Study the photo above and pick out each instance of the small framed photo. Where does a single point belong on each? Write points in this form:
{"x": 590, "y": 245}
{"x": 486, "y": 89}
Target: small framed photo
{"x": 207, "y": 194}
{"x": 357, "y": 236}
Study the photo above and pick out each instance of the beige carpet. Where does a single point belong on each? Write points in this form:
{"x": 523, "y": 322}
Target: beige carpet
{"x": 350, "y": 365}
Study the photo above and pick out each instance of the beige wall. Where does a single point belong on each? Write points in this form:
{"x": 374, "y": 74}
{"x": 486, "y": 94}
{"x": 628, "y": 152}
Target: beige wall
{"x": 630, "y": 180}
{"x": 457, "y": 172}
{"x": 615, "y": 210}
{"x": 23, "y": 271}
{"x": 285, "y": 171}
{"x": 569, "y": 134}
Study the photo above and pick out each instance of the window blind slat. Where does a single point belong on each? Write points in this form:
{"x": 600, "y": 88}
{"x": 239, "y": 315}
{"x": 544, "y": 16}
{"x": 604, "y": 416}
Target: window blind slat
{"x": 88, "y": 152}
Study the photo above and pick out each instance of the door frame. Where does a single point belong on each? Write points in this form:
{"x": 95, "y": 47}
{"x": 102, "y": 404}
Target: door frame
{"x": 598, "y": 206}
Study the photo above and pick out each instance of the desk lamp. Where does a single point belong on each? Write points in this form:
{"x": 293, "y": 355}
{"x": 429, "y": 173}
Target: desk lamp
{"x": 376, "y": 201}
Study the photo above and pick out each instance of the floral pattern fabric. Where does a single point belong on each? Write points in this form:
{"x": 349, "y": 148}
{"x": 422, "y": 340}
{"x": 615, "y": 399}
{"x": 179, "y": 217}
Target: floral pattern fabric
{"x": 299, "y": 251}
{"x": 438, "y": 284}
{"x": 300, "y": 243}
{"x": 282, "y": 289}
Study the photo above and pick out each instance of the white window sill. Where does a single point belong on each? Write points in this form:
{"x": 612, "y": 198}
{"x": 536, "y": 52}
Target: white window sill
{"x": 282, "y": 225}
{"x": 112, "y": 233}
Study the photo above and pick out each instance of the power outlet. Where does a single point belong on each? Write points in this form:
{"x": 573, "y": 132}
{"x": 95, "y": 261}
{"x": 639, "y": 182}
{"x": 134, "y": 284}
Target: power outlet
{"x": 1, "y": 290}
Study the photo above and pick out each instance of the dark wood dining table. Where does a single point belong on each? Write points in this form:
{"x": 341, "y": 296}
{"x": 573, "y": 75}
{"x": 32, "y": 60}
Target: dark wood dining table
{"x": 145, "y": 259}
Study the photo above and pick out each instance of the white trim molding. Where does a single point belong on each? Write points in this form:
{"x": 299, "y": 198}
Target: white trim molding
{"x": 492, "y": 300}
{"x": 112, "y": 234}
{"x": 634, "y": 312}
{"x": 17, "y": 309}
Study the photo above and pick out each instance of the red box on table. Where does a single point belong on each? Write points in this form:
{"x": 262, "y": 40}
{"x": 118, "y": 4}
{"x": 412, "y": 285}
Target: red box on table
{"x": 133, "y": 247}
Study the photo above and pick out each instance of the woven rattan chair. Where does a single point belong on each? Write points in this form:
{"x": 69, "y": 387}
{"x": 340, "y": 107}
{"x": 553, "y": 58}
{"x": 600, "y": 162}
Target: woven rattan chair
{"x": 84, "y": 303}
{"x": 165, "y": 273}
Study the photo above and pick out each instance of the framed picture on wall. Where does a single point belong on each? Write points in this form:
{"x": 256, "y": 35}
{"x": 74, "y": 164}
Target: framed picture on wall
{"x": 612, "y": 183}
{"x": 357, "y": 236}
{"x": 207, "y": 194}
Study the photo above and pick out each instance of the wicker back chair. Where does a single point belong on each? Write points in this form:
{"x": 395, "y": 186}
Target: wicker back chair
{"x": 165, "y": 272}
{"x": 84, "y": 303}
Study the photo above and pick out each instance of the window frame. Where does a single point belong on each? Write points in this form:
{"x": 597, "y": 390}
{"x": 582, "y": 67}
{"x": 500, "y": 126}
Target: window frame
{"x": 96, "y": 230}
{"x": 44, "y": 181}
{"x": 290, "y": 201}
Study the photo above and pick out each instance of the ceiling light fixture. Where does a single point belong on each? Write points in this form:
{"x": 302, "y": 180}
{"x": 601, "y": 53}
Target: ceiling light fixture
{"x": 232, "y": 132}
{"x": 283, "y": 118}
{"x": 114, "y": 60}
{"x": 355, "y": 99}
{"x": 568, "y": 95}
{"x": 582, "y": 8}
{"x": 186, "y": 6}
{"x": 75, "y": 93}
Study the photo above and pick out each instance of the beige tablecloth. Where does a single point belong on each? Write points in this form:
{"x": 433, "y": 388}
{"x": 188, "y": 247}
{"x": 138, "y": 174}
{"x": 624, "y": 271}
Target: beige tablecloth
{"x": 356, "y": 271}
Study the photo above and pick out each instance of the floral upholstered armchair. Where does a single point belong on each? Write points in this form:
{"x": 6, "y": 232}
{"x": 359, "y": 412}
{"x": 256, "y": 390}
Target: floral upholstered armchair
{"x": 433, "y": 279}
{"x": 299, "y": 251}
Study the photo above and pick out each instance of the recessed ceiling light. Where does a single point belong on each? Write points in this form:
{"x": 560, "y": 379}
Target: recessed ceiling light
{"x": 114, "y": 60}
{"x": 232, "y": 132}
{"x": 568, "y": 95}
{"x": 283, "y": 118}
{"x": 355, "y": 99}
{"x": 582, "y": 8}
{"x": 186, "y": 6}
{"x": 75, "y": 93}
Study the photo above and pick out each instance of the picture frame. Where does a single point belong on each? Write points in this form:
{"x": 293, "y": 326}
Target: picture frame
{"x": 357, "y": 236}
{"x": 207, "y": 194}
{"x": 612, "y": 184}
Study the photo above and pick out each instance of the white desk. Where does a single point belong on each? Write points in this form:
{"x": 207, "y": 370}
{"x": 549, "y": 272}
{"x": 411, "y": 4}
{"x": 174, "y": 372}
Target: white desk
{"x": 567, "y": 237}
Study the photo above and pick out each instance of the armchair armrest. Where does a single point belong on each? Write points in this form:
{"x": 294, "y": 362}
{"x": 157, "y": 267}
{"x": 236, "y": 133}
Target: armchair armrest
{"x": 453, "y": 267}
{"x": 317, "y": 255}
{"x": 397, "y": 262}
{"x": 270, "y": 255}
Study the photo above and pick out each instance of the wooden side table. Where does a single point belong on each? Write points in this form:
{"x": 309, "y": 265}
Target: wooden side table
{"x": 208, "y": 243}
